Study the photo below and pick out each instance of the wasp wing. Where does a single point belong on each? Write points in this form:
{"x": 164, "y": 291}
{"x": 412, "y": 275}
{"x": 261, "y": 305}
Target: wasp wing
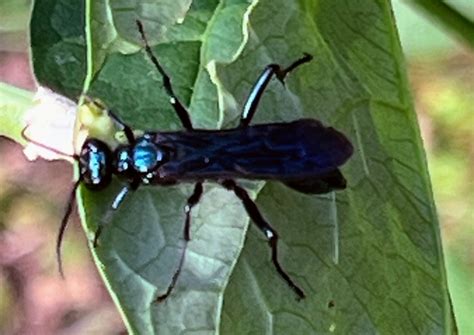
{"x": 331, "y": 181}
{"x": 293, "y": 151}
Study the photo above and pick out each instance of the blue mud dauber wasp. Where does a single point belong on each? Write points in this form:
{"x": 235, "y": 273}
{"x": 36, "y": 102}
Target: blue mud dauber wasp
{"x": 303, "y": 154}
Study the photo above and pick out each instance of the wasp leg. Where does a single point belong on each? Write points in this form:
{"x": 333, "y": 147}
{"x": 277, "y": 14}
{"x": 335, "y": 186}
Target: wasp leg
{"x": 251, "y": 104}
{"x": 192, "y": 201}
{"x": 119, "y": 198}
{"x": 62, "y": 229}
{"x": 177, "y": 105}
{"x": 266, "y": 228}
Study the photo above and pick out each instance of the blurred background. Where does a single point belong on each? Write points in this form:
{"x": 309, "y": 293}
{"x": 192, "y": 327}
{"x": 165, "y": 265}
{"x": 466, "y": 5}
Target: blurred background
{"x": 35, "y": 300}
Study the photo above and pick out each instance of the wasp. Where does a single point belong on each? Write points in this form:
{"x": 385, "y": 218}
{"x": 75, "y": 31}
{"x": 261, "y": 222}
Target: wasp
{"x": 303, "y": 154}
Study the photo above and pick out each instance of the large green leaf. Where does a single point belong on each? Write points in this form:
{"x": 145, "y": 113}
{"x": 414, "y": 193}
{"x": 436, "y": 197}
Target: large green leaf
{"x": 369, "y": 258}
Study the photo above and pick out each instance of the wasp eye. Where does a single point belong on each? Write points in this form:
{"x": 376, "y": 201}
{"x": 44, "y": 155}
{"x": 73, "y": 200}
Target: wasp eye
{"x": 95, "y": 164}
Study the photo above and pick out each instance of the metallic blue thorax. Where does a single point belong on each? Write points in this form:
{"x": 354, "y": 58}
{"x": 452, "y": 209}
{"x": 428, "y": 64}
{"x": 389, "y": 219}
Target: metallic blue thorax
{"x": 142, "y": 157}
{"x": 146, "y": 156}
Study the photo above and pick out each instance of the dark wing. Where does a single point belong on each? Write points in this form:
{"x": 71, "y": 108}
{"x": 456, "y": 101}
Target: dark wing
{"x": 303, "y": 149}
{"x": 331, "y": 181}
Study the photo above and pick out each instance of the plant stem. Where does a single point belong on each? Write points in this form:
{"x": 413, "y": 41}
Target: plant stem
{"x": 449, "y": 17}
{"x": 14, "y": 103}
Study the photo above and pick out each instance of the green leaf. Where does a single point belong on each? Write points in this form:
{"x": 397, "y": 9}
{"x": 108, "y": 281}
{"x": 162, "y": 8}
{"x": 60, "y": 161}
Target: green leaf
{"x": 58, "y": 45}
{"x": 369, "y": 258}
{"x": 113, "y": 27}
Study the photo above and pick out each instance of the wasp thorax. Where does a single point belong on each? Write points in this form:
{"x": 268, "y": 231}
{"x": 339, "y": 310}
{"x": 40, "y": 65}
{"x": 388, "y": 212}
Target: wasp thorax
{"x": 143, "y": 157}
{"x": 95, "y": 164}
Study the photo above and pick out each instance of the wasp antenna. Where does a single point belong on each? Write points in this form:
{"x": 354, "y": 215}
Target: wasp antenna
{"x": 140, "y": 27}
{"x": 44, "y": 146}
{"x": 64, "y": 222}
{"x": 180, "y": 110}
